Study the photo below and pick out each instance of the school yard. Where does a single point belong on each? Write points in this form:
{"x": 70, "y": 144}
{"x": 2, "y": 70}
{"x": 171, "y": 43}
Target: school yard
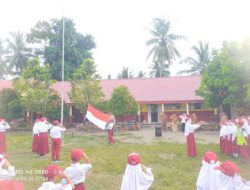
{"x": 166, "y": 155}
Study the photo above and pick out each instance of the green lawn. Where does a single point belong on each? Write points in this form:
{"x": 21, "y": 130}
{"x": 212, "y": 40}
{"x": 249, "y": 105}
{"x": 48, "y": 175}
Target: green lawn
{"x": 172, "y": 169}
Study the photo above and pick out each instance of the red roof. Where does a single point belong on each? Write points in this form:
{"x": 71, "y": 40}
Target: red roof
{"x": 158, "y": 90}
{"x": 180, "y": 89}
{"x": 5, "y": 84}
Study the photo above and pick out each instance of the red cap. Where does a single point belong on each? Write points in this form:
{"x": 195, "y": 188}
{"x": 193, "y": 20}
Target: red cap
{"x": 43, "y": 119}
{"x": 228, "y": 168}
{"x": 134, "y": 159}
{"x": 210, "y": 157}
{"x": 51, "y": 171}
{"x": 76, "y": 154}
{"x": 56, "y": 122}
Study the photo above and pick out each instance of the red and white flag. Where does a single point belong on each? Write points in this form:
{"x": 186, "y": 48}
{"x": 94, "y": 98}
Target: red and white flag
{"x": 97, "y": 117}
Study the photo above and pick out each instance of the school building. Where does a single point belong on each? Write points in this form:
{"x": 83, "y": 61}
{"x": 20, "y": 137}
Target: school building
{"x": 154, "y": 95}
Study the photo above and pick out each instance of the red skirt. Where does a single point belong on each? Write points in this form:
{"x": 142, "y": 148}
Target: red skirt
{"x": 222, "y": 144}
{"x": 35, "y": 143}
{"x": 79, "y": 187}
{"x": 244, "y": 153}
{"x": 2, "y": 142}
{"x": 191, "y": 147}
{"x": 43, "y": 144}
{"x": 229, "y": 146}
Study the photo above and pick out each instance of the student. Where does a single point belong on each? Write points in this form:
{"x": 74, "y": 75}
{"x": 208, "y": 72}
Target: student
{"x": 56, "y": 135}
{"x": 35, "y": 136}
{"x": 241, "y": 141}
{"x": 9, "y": 172}
{"x": 109, "y": 127}
{"x": 228, "y": 177}
{"x": 77, "y": 172}
{"x": 206, "y": 179}
{"x": 3, "y": 126}
{"x": 50, "y": 174}
{"x": 191, "y": 125}
{"x": 136, "y": 176}
{"x": 43, "y": 144}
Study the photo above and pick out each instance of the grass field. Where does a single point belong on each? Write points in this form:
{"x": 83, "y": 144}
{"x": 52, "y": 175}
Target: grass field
{"x": 172, "y": 169}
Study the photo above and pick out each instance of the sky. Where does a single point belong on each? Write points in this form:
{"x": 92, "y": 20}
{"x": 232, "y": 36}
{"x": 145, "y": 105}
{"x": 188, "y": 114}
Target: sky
{"x": 121, "y": 27}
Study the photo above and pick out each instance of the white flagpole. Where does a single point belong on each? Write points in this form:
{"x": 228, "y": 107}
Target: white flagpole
{"x": 62, "y": 87}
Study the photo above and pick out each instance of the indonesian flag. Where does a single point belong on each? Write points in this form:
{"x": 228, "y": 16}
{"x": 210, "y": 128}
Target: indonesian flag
{"x": 97, "y": 117}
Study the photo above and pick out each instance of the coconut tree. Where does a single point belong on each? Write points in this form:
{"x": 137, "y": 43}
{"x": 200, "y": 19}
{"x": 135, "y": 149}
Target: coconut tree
{"x": 163, "y": 47}
{"x": 2, "y": 61}
{"x": 159, "y": 71}
{"x": 19, "y": 53}
{"x": 125, "y": 74}
{"x": 200, "y": 62}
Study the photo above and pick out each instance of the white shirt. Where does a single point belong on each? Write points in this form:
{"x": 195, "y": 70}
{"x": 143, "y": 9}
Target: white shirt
{"x": 4, "y": 126}
{"x": 76, "y": 172}
{"x": 206, "y": 179}
{"x": 189, "y": 128}
{"x": 35, "y": 128}
{"x": 183, "y": 118}
{"x": 43, "y": 127}
{"x": 56, "y": 131}
{"x": 224, "y": 182}
{"x": 135, "y": 178}
{"x": 246, "y": 126}
{"x": 6, "y": 174}
{"x": 52, "y": 186}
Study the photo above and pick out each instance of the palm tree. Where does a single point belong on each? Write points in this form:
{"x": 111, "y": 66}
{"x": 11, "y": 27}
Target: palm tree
{"x": 19, "y": 53}
{"x": 125, "y": 74}
{"x": 163, "y": 42}
{"x": 2, "y": 61}
{"x": 198, "y": 64}
{"x": 159, "y": 71}
{"x": 141, "y": 74}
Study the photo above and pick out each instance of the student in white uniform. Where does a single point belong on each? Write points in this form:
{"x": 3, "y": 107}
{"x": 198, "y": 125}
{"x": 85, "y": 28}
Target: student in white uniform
{"x": 35, "y": 135}
{"x": 206, "y": 179}
{"x": 50, "y": 174}
{"x": 7, "y": 171}
{"x": 56, "y": 136}
{"x": 228, "y": 177}
{"x": 43, "y": 144}
{"x": 76, "y": 171}
{"x": 137, "y": 176}
{"x": 3, "y": 127}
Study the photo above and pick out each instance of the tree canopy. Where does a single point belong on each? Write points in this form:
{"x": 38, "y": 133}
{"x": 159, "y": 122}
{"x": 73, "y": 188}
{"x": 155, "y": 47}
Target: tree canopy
{"x": 77, "y": 47}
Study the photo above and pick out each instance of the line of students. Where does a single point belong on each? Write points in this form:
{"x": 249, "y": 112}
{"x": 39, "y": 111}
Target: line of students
{"x": 41, "y": 131}
{"x": 235, "y": 138}
{"x": 215, "y": 175}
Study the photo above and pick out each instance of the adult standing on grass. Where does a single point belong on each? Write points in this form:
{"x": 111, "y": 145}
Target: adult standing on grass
{"x": 3, "y": 127}
{"x": 206, "y": 179}
{"x": 77, "y": 172}
{"x": 137, "y": 176}
{"x": 50, "y": 174}
{"x": 183, "y": 118}
{"x": 191, "y": 125}
{"x": 56, "y": 136}
{"x": 175, "y": 122}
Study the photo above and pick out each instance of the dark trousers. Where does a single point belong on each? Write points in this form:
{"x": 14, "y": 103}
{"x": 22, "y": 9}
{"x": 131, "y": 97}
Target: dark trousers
{"x": 183, "y": 127}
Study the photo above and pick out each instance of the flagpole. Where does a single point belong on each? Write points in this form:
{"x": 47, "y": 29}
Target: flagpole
{"x": 62, "y": 83}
